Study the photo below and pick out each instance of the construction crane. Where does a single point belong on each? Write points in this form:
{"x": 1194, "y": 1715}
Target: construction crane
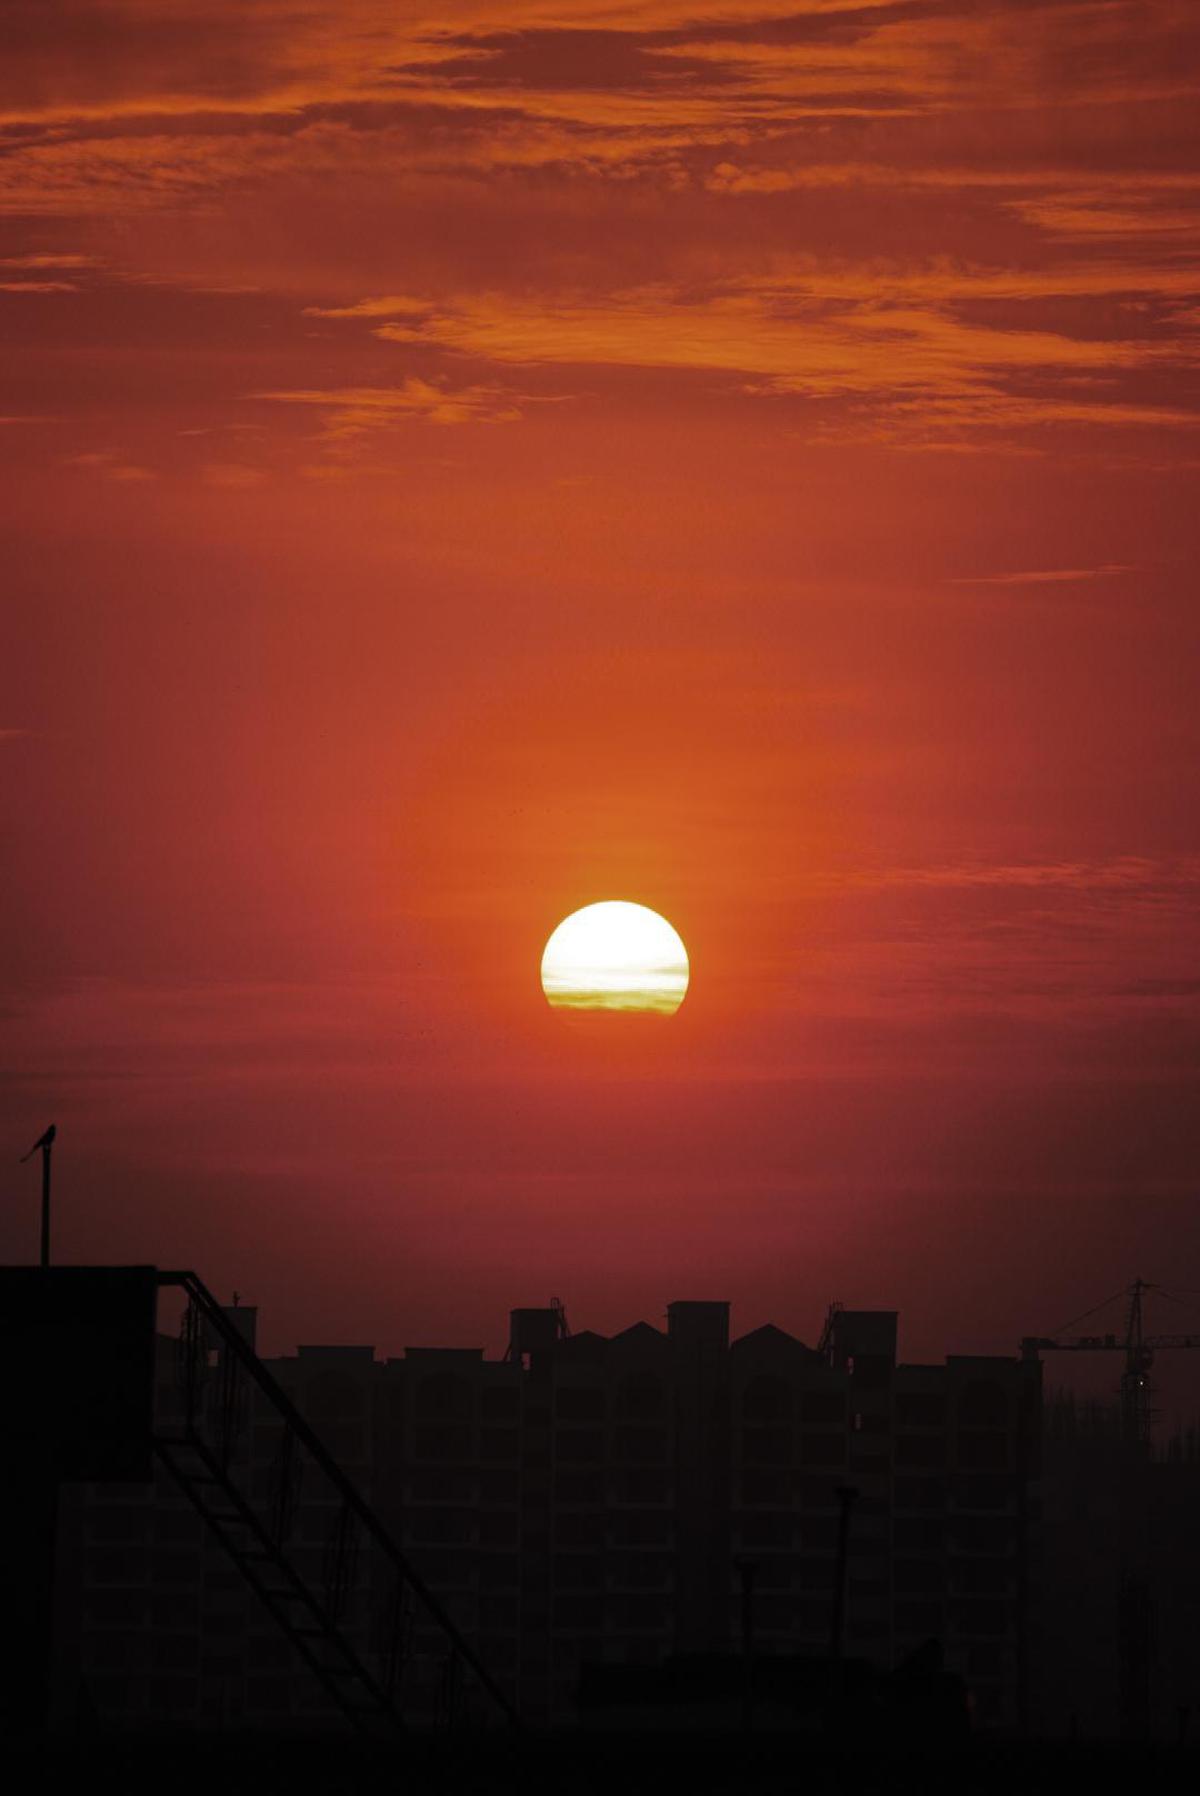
{"x": 1135, "y": 1599}
{"x": 1138, "y": 1347}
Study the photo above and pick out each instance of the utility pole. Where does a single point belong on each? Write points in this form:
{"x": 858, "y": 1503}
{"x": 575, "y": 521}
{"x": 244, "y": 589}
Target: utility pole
{"x": 1135, "y": 1390}
{"x": 746, "y": 1573}
{"x": 45, "y": 1143}
{"x": 847, "y": 1496}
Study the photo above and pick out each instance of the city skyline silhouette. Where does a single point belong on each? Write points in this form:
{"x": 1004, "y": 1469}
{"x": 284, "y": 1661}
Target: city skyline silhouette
{"x": 601, "y": 908}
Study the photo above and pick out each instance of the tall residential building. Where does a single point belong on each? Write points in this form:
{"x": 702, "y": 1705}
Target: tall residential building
{"x": 597, "y": 1499}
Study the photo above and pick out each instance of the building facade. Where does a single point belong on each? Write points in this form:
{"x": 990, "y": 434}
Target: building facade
{"x": 595, "y": 1499}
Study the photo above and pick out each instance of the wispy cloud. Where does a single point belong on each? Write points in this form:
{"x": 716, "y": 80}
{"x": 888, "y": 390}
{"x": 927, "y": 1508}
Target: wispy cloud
{"x": 110, "y": 464}
{"x": 1044, "y": 576}
{"x": 928, "y": 357}
{"x": 39, "y": 287}
{"x": 46, "y": 259}
{"x": 351, "y": 411}
{"x": 1127, "y": 873}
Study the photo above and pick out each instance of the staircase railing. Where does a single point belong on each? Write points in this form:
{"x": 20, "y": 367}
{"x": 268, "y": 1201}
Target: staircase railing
{"x": 297, "y": 1532}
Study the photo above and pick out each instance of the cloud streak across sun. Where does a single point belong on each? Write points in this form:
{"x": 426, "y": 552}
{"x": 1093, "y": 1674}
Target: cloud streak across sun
{"x": 615, "y": 956}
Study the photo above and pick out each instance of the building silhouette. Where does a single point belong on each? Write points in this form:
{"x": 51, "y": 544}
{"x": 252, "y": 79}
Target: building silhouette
{"x": 586, "y": 1501}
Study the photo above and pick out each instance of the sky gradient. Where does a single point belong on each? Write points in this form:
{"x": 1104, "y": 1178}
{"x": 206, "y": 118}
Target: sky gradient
{"x": 464, "y": 462}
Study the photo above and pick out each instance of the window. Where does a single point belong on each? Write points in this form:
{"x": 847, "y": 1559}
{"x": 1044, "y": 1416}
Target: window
{"x": 444, "y": 1568}
{"x": 440, "y": 1525}
{"x": 498, "y": 1613}
{"x": 269, "y": 1695}
{"x": 498, "y": 1487}
{"x": 638, "y": 1612}
{"x": 820, "y": 1532}
{"x": 823, "y": 1409}
{"x": 920, "y": 1493}
{"x": 920, "y": 1409}
{"x": 983, "y": 1403}
{"x": 971, "y": 1616}
{"x": 871, "y": 1421}
{"x": 919, "y": 1621}
{"x": 641, "y": 1484}
{"x": 175, "y": 1609}
{"x": 981, "y": 1533}
{"x": 498, "y": 1443}
{"x": 498, "y": 1403}
{"x": 445, "y": 1396}
{"x": 767, "y": 1398}
{"x": 578, "y": 1571}
{"x": 982, "y": 1493}
{"x": 983, "y": 1448}
{"x": 584, "y": 1612}
{"x": 639, "y": 1528}
{"x": 766, "y": 1446}
{"x": 332, "y": 1396}
{"x": 441, "y": 1486}
{"x": 919, "y": 1534}
{"x": 498, "y": 1528}
{"x": 499, "y": 1571}
{"x": 644, "y": 1445}
{"x": 117, "y": 1565}
{"x": 920, "y": 1450}
{"x": 772, "y": 1613}
{"x": 918, "y": 1577}
{"x": 640, "y": 1571}
{"x": 580, "y": 1446}
{"x": 818, "y": 1493}
{"x": 768, "y": 1488}
{"x": 985, "y": 1661}
{"x": 497, "y": 1650}
{"x": 872, "y": 1371}
{"x": 981, "y": 1577}
{"x": 766, "y": 1530}
{"x": 578, "y": 1487}
{"x": 443, "y": 1443}
{"x": 178, "y": 1525}
{"x": 812, "y": 1619}
{"x": 639, "y": 1395}
{"x": 120, "y": 1523}
{"x": 823, "y": 1449}
{"x": 815, "y": 1574}
{"x": 579, "y": 1403}
{"x": 580, "y": 1530}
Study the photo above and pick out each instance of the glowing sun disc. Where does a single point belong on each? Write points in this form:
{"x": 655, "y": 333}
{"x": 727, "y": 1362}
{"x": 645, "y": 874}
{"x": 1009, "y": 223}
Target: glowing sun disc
{"x": 615, "y": 956}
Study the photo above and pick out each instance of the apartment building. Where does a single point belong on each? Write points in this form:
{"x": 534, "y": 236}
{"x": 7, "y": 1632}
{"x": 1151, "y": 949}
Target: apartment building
{"x": 589, "y": 1499}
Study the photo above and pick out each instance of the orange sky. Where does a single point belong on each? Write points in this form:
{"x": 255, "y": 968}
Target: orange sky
{"x": 462, "y": 462}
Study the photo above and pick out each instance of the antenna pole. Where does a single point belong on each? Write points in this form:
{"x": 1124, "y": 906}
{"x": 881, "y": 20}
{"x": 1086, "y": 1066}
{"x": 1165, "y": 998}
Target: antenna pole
{"x": 45, "y": 1142}
{"x": 46, "y": 1148}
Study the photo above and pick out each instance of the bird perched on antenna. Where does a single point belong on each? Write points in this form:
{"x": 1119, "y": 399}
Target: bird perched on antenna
{"x": 43, "y": 1141}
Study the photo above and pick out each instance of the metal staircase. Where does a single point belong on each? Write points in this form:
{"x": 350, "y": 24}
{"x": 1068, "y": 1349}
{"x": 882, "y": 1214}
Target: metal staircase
{"x": 308, "y": 1544}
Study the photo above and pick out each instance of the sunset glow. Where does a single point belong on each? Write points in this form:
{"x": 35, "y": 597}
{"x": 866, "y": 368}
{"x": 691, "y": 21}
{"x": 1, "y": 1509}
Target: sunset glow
{"x": 615, "y": 956}
{"x": 464, "y": 459}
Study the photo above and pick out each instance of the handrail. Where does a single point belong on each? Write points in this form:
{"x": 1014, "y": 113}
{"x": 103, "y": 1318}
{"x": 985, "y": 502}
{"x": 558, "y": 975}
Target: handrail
{"x": 199, "y": 1294}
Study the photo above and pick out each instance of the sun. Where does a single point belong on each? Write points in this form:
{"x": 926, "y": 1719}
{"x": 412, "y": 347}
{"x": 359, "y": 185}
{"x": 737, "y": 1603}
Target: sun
{"x": 615, "y": 956}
